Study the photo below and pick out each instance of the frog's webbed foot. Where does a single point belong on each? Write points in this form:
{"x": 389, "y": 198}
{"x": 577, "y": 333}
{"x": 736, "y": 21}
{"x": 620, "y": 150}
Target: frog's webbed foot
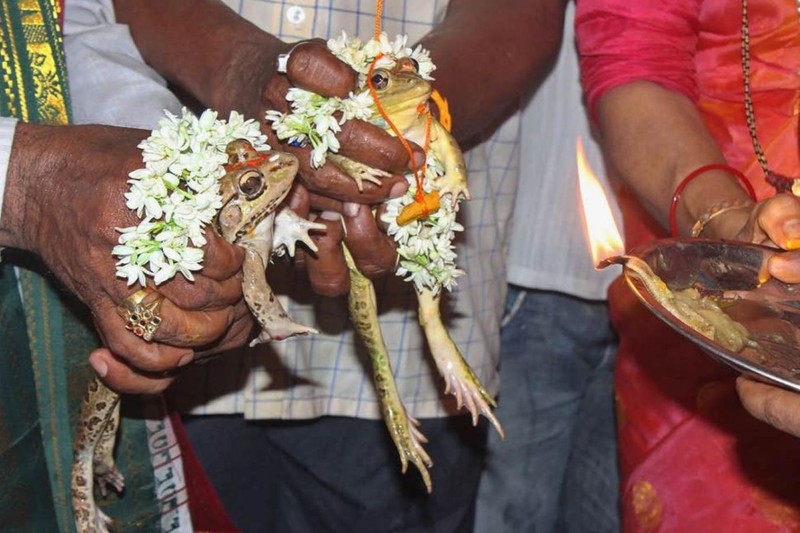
{"x": 358, "y": 171}
{"x": 291, "y": 228}
{"x": 454, "y": 185}
{"x": 403, "y": 428}
{"x": 407, "y": 437}
{"x": 459, "y": 378}
{"x": 93, "y": 457}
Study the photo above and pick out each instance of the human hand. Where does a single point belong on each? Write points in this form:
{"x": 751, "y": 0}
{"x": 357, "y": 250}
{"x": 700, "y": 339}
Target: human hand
{"x": 776, "y": 406}
{"x": 328, "y": 194}
{"x": 64, "y": 197}
{"x": 775, "y": 221}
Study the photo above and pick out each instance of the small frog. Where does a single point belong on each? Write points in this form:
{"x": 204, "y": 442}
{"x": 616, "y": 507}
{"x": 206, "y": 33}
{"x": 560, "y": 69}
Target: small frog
{"x": 251, "y": 216}
{"x": 255, "y": 184}
{"x": 403, "y": 95}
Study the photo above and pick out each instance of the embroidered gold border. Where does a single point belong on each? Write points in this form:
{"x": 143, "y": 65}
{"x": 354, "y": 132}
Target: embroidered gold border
{"x": 34, "y": 75}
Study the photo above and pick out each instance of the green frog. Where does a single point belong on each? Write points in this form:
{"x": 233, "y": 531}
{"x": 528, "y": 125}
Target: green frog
{"x": 251, "y": 216}
{"x": 404, "y": 98}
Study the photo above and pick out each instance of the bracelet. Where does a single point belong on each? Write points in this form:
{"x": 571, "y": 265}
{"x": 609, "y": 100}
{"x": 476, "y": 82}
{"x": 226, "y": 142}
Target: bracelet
{"x": 673, "y": 208}
{"x": 716, "y": 210}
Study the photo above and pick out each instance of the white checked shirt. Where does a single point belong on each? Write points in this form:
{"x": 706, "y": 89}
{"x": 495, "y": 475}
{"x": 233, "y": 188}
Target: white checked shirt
{"x": 330, "y": 373}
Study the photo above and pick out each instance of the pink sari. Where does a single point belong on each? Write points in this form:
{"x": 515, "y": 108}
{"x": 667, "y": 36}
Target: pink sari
{"x": 691, "y": 458}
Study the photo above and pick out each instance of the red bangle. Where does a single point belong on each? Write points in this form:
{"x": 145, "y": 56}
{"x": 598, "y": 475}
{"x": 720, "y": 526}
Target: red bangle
{"x": 673, "y": 208}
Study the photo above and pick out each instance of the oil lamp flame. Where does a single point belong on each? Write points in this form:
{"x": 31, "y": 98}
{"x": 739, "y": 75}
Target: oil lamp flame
{"x": 600, "y": 228}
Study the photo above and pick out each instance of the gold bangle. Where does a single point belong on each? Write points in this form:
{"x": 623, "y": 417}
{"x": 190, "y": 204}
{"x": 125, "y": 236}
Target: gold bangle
{"x": 715, "y": 211}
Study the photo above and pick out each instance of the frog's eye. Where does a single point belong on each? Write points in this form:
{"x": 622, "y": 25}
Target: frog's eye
{"x": 379, "y": 80}
{"x": 251, "y": 184}
{"x": 415, "y": 63}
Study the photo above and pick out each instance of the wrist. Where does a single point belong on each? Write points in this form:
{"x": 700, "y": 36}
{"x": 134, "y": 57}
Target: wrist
{"x": 704, "y": 193}
{"x": 26, "y": 165}
{"x": 252, "y": 61}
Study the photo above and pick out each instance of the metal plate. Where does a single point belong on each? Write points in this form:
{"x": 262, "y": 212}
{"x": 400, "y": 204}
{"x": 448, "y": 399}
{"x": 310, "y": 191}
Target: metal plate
{"x": 730, "y": 272}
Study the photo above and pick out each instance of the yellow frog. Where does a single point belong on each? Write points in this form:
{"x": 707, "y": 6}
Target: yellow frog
{"x": 403, "y": 98}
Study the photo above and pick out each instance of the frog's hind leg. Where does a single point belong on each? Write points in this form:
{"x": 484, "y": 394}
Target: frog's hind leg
{"x": 92, "y": 457}
{"x": 402, "y": 427}
{"x": 459, "y": 378}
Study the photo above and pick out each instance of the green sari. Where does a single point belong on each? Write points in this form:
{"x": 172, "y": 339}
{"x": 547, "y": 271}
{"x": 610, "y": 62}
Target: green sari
{"x": 45, "y": 342}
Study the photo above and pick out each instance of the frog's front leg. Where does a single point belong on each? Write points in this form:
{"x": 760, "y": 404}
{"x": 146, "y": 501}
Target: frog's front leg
{"x": 291, "y": 228}
{"x": 357, "y": 170}
{"x": 403, "y": 428}
{"x": 93, "y": 457}
{"x": 454, "y": 179}
{"x": 459, "y": 378}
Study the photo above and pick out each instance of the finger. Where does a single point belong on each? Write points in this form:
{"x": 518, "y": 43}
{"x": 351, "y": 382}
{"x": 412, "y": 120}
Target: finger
{"x": 275, "y": 98}
{"x": 312, "y": 66}
{"x": 320, "y": 203}
{"x": 773, "y": 405}
{"x": 299, "y": 200}
{"x": 202, "y": 294}
{"x": 223, "y": 260}
{"x": 779, "y": 219}
{"x": 121, "y": 378}
{"x": 243, "y": 329}
{"x": 785, "y": 266}
{"x": 327, "y": 270}
{"x": 143, "y": 355}
{"x": 371, "y": 145}
{"x": 374, "y": 252}
{"x": 329, "y": 180}
{"x": 187, "y": 328}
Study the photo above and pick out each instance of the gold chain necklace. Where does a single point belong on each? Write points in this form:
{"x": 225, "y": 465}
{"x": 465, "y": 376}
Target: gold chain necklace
{"x": 780, "y": 182}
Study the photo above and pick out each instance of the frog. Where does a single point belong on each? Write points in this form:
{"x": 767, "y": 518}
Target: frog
{"x": 404, "y": 97}
{"x": 252, "y": 216}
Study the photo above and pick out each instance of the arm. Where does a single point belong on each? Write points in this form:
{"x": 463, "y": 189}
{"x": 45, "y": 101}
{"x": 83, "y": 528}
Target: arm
{"x": 203, "y": 47}
{"x": 474, "y": 38}
{"x": 63, "y": 198}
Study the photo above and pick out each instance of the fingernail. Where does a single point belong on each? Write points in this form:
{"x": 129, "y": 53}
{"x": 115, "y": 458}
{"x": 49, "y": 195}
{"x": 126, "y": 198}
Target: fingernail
{"x": 294, "y": 201}
{"x": 98, "y": 364}
{"x": 331, "y": 216}
{"x": 186, "y": 359}
{"x": 791, "y": 228}
{"x": 398, "y": 189}
{"x": 351, "y": 209}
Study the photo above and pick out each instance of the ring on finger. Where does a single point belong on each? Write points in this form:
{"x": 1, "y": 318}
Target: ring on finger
{"x": 141, "y": 318}
{"x": 283, "y": 61}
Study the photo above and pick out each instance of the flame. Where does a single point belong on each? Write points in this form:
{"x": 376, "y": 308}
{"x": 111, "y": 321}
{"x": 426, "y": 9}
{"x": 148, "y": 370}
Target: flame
{"x": 601, "y": 230}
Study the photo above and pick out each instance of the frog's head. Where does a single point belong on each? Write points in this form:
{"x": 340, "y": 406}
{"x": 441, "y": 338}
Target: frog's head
{"x": 256, "y": 182}
{"x": 401, "y": 88}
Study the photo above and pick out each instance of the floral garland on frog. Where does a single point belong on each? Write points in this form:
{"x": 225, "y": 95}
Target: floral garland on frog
{"x": 425, "y": 246}
{"x": 176, "y": 194}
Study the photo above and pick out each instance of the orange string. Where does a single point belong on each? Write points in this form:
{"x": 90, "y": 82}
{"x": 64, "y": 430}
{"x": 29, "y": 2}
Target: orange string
{"x": 378, "y": 17}
{"x": 419, "y": 174}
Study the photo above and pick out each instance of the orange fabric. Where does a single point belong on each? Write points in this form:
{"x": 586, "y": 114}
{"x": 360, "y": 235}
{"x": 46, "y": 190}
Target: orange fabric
{"x": 692, "y": 459}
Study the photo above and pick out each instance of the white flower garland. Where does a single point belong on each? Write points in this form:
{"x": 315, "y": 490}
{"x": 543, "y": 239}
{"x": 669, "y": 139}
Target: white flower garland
{"x": 427, "y": 255}
{"x": 177, "y": 193}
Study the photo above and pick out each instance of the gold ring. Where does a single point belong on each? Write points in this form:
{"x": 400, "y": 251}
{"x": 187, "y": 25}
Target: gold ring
{"x": 140, "y": 318}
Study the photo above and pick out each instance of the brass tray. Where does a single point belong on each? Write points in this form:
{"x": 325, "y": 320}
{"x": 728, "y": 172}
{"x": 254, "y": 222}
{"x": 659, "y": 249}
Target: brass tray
{"x": 731, "y": 273}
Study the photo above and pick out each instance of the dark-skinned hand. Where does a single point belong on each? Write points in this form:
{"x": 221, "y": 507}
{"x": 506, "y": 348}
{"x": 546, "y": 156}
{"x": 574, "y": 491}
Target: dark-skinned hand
{"x": 322, "y": 194}
{"x": 64, "y": 197}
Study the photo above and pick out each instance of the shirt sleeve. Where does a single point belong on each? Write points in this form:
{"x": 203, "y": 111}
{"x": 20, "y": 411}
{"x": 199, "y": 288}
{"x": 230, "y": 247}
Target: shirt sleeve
{"x": 109, "y": 81}
{"x": 7, "y": 126}
{"x": 621, "y": 41}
